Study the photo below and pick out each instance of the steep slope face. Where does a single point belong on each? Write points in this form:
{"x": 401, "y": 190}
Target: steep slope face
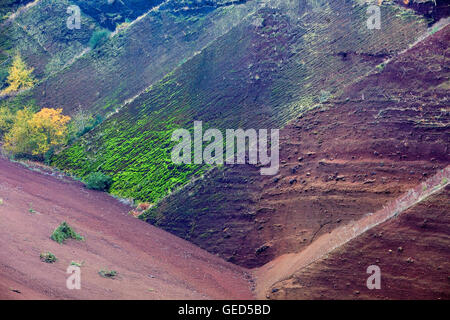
{"x": 150, "y": 263}
{"x": 8, "y": 7}
{"x": 40, "y": 33}
{"x": 41, "y": 36}
{"x": 132, "y": 58}
{"x": 339, "y": 161}
{"x": 431, "y": 9}
{"x": 410, "y": 249}
{"x": 111, "y": 13}
{"x": 262, "y": 73}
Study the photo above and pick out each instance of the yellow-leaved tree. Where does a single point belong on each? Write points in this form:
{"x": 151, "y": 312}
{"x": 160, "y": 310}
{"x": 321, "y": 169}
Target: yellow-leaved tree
{"x": 20, "y": 77}
{"x": 6, "y": 120}
{"x": 36, "y": 133}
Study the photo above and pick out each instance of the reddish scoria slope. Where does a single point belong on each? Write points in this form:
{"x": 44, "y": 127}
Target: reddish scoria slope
{"x": 382, "y": 136}
{"x": 151, "y": 263}
{"x": 408, "y": 239}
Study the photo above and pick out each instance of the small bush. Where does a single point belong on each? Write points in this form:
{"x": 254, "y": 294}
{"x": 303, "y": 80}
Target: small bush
{"x": 324, "y": 96}
{"x": 98, "y": 181}
{"x": 48, "y": 156}
{"x": 380, "y": 67}
{"x": 151, "y": 216}
{"x": 82, "y": 122}
{"x": 77, "y": 264}
{"x": 108, "y": 273}
{"x": 143, "y": 206}
{"x": 98, "y": 38}
{"x": 48, "y": 257}
{"x": 63, "y": 232}
{"x": 434, "y": 30}
{"x": 122, "y": 26}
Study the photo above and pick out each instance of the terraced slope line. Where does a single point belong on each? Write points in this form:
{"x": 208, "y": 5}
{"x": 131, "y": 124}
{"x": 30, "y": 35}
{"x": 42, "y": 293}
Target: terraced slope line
{"x": 285, "y": 266}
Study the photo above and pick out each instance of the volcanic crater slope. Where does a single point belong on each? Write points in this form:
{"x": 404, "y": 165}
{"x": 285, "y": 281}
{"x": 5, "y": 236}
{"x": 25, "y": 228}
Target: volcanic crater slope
{"x": 147, "y": 262}
{"x": 116, "y": 54}
{"x": 411, "y": 250}
{"x": 365, "y": 118}
{"x": 262, "y": 73}
{"x": 339, "y": 161}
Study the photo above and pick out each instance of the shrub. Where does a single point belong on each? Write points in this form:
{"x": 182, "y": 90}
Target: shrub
{"x": 6, "y": 120}
{"x": 77, "y": 264}
{"x": 98, "y": 181}
{"x": 324, "y": 96}
{"x": 434, "y": 30}
{"x": 151, "y": 215}
{"x": 98, "y": 38}
{"x": 108, "y": 273}
{"x": 19, "y": 76}
{"x": 48, "y": 156}
{"x": 48, "y": 257}
{"x": 380, "y": 67}
{"x": 143, "y": 206}
{"x": 122, "y": 26}
{"x": 63, "y": 232}
{"x": 82, "y": 123}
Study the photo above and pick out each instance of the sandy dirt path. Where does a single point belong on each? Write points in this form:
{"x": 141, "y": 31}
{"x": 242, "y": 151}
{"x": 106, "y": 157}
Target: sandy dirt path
{"x": 151, "y": 263}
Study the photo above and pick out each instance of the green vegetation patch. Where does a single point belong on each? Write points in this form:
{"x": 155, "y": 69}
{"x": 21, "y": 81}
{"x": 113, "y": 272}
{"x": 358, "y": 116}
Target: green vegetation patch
{"x": 76, "y": 263}
{"x": 98, "y": 38}
{"x": 63, "y": 232}
{"x": 108, "y": 273}
{"x": 48, "y": 257}
{"x": 135, "y": 151}
{"x": 98, "y": 181}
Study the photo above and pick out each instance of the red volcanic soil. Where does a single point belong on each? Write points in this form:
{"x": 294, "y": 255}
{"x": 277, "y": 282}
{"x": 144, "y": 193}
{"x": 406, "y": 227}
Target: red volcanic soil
{"x": 385, "y": 134}
{"x": 328, "y": 268}
{"x": 151, "y": 263}
{"x": 411, "y": 250}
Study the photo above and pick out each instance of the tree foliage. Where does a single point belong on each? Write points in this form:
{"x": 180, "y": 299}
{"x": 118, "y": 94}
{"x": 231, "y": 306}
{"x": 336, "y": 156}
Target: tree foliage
{"x": 20, "y": 77}
{"x": 6, "y": 120}
{"x": 82, "y": 122}
{"x": 35, "y": 133}
{"x": 98, "y": 38}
